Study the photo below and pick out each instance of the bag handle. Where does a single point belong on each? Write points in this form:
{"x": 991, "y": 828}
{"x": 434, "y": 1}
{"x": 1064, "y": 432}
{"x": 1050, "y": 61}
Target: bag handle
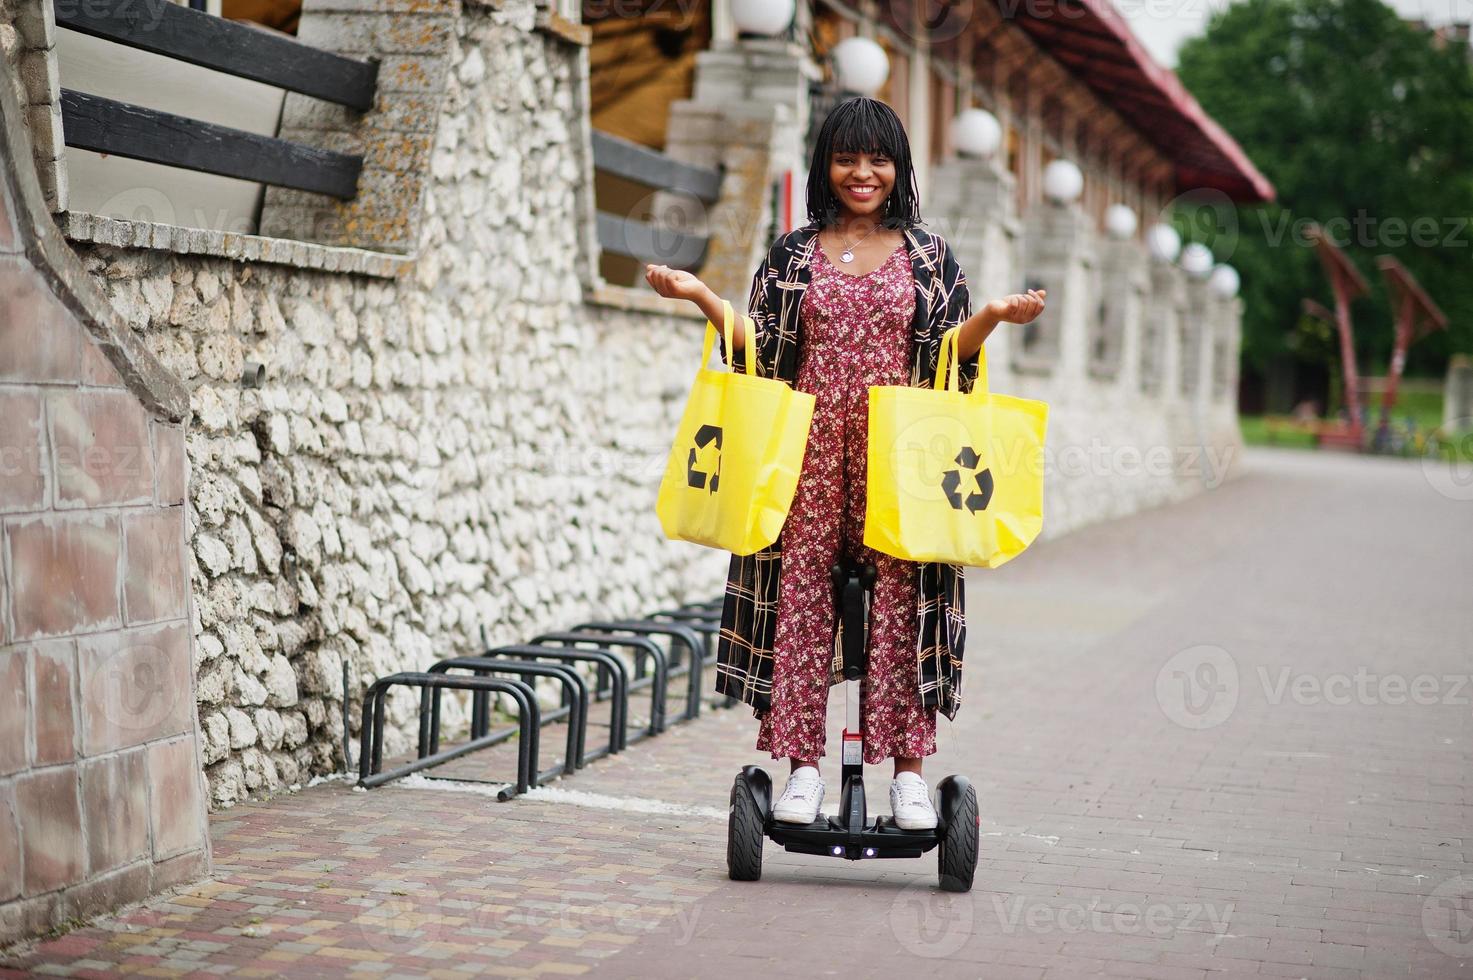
{"x": 726, "y": 329}
{"x": 947, "y": 373}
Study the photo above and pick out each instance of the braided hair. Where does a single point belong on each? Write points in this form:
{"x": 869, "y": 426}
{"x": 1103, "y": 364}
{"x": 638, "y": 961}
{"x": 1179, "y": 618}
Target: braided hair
{"x": 863, "y": 125}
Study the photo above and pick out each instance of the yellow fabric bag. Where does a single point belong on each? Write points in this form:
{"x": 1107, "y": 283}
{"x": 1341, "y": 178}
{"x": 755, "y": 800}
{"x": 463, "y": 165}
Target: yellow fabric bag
{"x": 733, "y": 468}
{"x": 953, "y": 477}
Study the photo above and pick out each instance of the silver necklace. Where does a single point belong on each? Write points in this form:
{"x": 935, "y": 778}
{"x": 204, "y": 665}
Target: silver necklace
{"x": 848, "y": 254}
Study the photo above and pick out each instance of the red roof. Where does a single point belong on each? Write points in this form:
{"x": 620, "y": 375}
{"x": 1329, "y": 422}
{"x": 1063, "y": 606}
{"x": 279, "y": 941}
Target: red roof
{"x": 1090, "y": 39}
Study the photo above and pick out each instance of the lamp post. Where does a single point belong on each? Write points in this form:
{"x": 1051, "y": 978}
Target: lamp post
{"x": 860, "y": 65}
{"x": 1120, "y": 222}
{"x": 1062, "y": 182}
{"x": 976, "y": 133}
{"x": 1163, "y": 242}
{"x": 767, "y": 18}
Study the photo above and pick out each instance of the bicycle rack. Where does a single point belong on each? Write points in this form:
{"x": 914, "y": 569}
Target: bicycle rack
{"x": 371, "y": 743}
{"x": 698, "y": 620}
{"x": 704, "y": 618}
{"x": 693, "y": 626}
{"x": 676, "y": 631}
{"x": 641, "y": 647}
{"x": 576, "y": 711}
{"x": 608, "y": 666}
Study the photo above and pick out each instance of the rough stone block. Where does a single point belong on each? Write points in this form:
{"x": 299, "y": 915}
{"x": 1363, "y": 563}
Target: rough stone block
{"x": 22, "y": 473}
{"x": 10, "y": 873}
{"x": 39, "y": 340}
{"x": 98, "y": 896}
{"x": 14, "y": 709}
{"x": 50, "y": 813}
{"x": 154, "y": 581}
{"x": 189, "y": 866}
{"x": 64, "y": 575}
{"x": 177, "y": 797}
{"x": 135, "y": 687}
{"x": 9, "y": 241}
{"x": 170, "y": 464}
{"x": 115, "y": 802}
{"x": 53, "y": 715}
{"x": 97, "y": 370}
{"x": 100, "y": 448}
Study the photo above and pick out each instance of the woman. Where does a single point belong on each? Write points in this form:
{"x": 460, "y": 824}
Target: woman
{"x": 860, "y": 296}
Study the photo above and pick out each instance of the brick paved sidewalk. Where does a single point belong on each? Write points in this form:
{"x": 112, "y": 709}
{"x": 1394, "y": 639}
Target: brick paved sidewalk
{"x": 1229, "y": 737}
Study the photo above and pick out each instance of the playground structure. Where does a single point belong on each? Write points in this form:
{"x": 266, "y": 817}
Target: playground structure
{"x": 1416, "y": 316}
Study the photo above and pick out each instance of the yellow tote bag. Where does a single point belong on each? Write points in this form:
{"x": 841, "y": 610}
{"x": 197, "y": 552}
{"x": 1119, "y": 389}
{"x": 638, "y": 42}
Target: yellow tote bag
{"x": 954, "y": 477}
{"x": 734, "y": 465}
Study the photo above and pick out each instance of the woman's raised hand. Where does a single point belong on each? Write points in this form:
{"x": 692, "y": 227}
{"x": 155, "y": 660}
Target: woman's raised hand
{"x": 674, "y": 283}
{"x": 1018, "y": 308}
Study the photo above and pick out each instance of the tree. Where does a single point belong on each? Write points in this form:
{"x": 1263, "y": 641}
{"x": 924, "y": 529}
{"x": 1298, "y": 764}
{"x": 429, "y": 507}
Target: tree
{"x": 1365, "y": 125}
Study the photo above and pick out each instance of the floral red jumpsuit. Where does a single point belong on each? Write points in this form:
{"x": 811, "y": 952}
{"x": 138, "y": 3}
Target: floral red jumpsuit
{"x": 856, "y": 333}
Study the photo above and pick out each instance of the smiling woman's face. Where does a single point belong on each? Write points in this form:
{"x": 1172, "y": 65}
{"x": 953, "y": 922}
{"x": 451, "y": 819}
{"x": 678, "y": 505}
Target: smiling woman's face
{"x": 862, "y": 181}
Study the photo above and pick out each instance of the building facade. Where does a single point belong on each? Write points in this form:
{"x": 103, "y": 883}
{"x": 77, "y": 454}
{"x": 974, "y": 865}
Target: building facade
{"x": 361, "y": 426}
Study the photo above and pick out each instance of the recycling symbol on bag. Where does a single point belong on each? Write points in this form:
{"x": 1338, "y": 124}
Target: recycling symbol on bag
{"x": 708, "y": 448}
{"x": 951, "y": 482}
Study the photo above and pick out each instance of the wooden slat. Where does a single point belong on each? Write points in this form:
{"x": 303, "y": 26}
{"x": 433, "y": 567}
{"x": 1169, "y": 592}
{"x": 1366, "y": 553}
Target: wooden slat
{"x": 644, "y": 166}
{"x": 91, "y": 122}
{"x": 643, "y": 241}
{"x": 223, "y": 45}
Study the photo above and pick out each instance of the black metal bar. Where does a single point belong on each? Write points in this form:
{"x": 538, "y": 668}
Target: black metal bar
{"x": 572, "y": 682}
{"x": 91, "y": 122}
{"x": 677, "y": 632}
{"x": 370, "y": 755}
{"x": 225, "y": 46}
{"x": 702, "y": 623}
{"x": 649, "y": 243}
{"x": 652, "y": 168}
{"x": 606, "y": 661}
{"x": 658, "y": 681}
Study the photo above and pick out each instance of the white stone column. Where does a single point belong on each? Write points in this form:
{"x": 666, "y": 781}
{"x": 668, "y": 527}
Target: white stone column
{"x": 1194, "y": 330}
{"x": 748, "y": 114}
{"x": 1159, "y": 330}
{"x": 1116, "y": 341}
{"x": 972, "y": 205}
{"x": 1059, "y": 255}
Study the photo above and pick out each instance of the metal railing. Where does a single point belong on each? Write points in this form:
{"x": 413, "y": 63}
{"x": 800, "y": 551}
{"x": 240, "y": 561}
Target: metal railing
{"x": 623, "y": 656}
{"x": 92, "y": 121}
{"x": 643, "y": 240}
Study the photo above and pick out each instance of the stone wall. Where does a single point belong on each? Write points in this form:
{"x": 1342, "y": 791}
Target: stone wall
{"x": 466, "y": 445}
{"x": 473, "y": 435}
{"x": 101, "y": 798}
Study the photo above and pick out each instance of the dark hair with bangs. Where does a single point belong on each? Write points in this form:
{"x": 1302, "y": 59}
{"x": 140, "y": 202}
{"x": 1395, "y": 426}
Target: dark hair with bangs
{"x": 863, "y": 125}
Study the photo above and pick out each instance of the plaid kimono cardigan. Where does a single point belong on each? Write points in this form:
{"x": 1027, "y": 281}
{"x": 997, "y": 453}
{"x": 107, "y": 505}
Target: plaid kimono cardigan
{"x": 744, "y": 656}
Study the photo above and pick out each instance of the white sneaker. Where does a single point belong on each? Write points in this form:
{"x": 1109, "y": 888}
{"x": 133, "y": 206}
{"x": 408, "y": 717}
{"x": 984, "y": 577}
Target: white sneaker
{"x": 910, "y": 802}
{"x": 801, "y": 797}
